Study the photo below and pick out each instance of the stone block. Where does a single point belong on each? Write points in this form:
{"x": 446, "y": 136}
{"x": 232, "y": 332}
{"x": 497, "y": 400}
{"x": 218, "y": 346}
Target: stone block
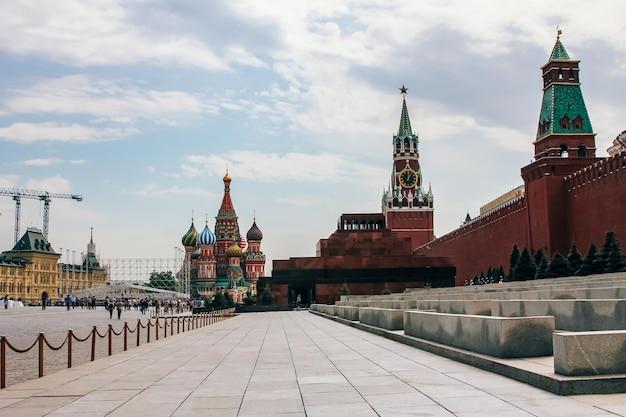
{"x": 502, "y": 337}
{"x": 385, "y": 318}
{"x": 348, "y": 313}
{"x": 590, "y": 353}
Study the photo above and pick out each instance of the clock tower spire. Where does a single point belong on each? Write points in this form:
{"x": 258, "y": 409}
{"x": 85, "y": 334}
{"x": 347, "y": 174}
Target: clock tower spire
{"x": 407, "y": 207}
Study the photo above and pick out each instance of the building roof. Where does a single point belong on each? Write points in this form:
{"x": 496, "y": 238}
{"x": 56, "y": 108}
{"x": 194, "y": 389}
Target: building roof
{"x": 563, "y": 109}
{"x": 559, "y": 52}
{"x": 33, "y": 241}
{"x": 191, "y": 237}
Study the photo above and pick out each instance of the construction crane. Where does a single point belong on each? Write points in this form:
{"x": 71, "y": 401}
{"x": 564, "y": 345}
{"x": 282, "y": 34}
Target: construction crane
{"x": 44, "y": 196}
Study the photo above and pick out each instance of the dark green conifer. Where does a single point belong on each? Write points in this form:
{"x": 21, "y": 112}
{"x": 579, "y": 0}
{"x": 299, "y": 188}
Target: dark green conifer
{"x": 542, "y": 267}
{"x": 588, "y": 266}
{"x": 615, "y": 262}
{"x": 500, "y": 274}
{"x": 525, "y": 268}
{"x": 267, "y": 299}
{"x": 559, "y": 267}
{"x": 574, "y": 258}
{"x": 603, "y": 256}
{"x": 513, "y": 262}
{"x": 538, "y": 255}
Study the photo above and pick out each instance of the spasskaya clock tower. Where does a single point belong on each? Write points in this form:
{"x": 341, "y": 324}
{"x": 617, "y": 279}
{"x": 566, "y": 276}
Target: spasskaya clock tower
{"x": 407, "y": 206}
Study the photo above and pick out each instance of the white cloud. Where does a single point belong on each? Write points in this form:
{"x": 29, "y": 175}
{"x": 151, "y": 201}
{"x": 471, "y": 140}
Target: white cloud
{"x": 111, "y": 100}
{"x": 53, "y": 131}
{"x": 154, "y": 190}
{"x": 56, "y": 184}
{"x": 41, "y": 162}
{"x": 102, "y": 33}
{"x": 272, "y": 167}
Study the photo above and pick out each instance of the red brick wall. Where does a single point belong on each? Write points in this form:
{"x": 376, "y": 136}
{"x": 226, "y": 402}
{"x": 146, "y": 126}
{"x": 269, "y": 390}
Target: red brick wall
{"x": 564, "y": 209}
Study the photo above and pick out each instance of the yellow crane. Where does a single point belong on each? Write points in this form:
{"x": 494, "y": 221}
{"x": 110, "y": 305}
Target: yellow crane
{"x": 44, "y": 196}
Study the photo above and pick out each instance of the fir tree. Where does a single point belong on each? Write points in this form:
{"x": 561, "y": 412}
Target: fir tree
{"x": 218, "y": 302}
{"x": 525, "y": 268}
{"x": 228, "y": 300}
{"x": 542, "y": 267}
{"x": 513, "y": 262}
{"x": 559, "y": 267}
{"x": 538, "y": 255}
{"x": 500, "y": 276}
{"x": 615, "y": 262}
{"x": 588, "y": 266}
{"x": 574, "y": 258}
{"x": 267, "y": 298}
{"x": 344, "y": 289}
{"x": 603, "y": 257}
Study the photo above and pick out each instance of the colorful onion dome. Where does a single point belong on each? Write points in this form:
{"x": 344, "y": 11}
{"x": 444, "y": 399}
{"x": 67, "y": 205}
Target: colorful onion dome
{"x": 254, "y": 233}
{"x": 196, "y": 253}
{"x": 207, "y": 237}
{"x": 191, "y": 237}
{"x": 234, "y": 250}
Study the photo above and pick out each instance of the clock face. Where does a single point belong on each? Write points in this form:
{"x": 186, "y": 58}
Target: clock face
{"x": 408, "y": 178}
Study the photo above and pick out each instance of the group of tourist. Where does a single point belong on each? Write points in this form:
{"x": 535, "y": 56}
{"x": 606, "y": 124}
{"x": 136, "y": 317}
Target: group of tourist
{"x": 72, "y": 301}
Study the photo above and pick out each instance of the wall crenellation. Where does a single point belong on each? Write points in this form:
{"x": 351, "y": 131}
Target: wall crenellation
{"x": 600, "y": 173}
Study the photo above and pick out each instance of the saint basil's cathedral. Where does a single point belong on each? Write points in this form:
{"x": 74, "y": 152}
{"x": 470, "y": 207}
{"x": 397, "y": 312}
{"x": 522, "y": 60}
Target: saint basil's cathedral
{"x": 224, "y": 260}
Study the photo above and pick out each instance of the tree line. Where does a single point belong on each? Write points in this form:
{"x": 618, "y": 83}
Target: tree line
{"x": 525, "y": 265}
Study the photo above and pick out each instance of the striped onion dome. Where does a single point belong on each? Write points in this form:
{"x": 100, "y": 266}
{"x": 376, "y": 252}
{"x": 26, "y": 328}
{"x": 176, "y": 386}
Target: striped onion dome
{"x": 234, "y": 250}
{"x": 207, "y": 237}
{"x": 254, "y": 233}
{"x": 191, "y": 237}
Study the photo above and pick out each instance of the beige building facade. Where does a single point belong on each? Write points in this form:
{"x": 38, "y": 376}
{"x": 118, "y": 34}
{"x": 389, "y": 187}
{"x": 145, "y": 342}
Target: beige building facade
{"x": 31, "y": 272}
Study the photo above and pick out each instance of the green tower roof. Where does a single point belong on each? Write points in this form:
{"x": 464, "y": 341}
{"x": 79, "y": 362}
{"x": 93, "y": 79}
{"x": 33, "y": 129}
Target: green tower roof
{"x": 559, "y": 52}
{"x": 405, "y": 122}
{"x": 563, "y": 109}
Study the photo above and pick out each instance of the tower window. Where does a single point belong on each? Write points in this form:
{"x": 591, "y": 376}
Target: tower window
{"x": 571, "y": 74}
{"x": 563, "y": 152}
{"x": 582, "y": 150}
{"x": 578, "y": 123}
{"x": 560, "y": 74}
{"x": 565, "y": 122}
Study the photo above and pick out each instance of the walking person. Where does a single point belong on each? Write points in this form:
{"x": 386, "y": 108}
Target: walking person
{"x": 44, "y": 300}
{"x": 6, "y": 301}
{"x": 68, "y": 302}
{"x": 110, "y": 308}
{"x": 119, "y": 305}
{"x": 298, "y": 301}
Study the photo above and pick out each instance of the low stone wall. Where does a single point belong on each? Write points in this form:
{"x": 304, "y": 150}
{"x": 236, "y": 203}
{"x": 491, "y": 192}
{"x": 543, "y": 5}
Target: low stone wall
{"x": 475, "y": 307}
{"x": 329, "y": 309}
{"x": 570, "y": 315}
{"x": 590, "y": 353}
{"x": 385, "y": 318}
{"x": 502, "y": 337}
{"x": 348, "y": 313}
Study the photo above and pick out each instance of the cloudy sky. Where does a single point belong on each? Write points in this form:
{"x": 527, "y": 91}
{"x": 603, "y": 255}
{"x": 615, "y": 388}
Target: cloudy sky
{"x": 141, "y": 106}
